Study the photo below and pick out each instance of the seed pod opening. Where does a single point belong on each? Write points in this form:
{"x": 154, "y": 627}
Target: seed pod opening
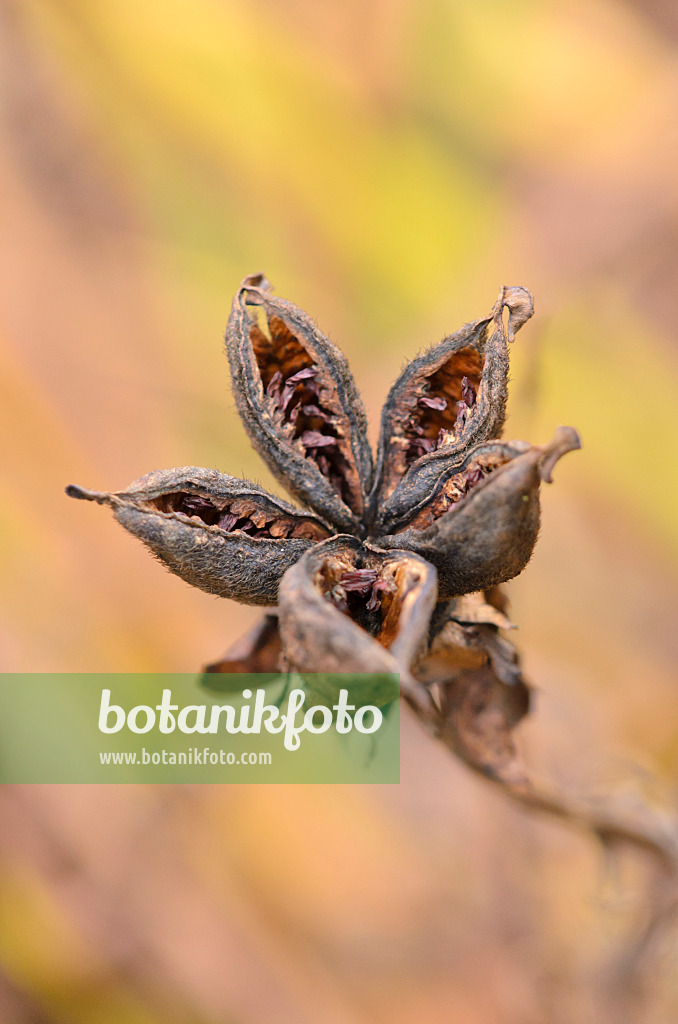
{"x": 431, "y": 488}
{"x": 480, "y": 534}
{"x": 299, "y": 404}
{"x": 223, "y": 535}
{"x": 348, "y": 607}
{"x": 450, "y": 398}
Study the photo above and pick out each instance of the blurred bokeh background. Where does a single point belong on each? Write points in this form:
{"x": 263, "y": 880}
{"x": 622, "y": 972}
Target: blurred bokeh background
{"x": 388, "y": 165}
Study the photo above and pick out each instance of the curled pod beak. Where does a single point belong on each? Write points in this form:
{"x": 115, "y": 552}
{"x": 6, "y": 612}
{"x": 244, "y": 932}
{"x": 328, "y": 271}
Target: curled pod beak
{"x": 480, "y": 523}
{"x": 221, "y": 534}
{"x": 347, "y": 607}
{"x": 299, "y": 404}
{"x": 450, "y": 398}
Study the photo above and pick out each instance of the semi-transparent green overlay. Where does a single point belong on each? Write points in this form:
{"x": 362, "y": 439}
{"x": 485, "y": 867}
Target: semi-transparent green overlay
{"x": 152, "y": 728}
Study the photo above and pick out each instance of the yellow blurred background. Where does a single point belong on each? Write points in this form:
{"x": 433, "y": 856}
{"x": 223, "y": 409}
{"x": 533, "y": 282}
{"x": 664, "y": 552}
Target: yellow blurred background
{"x": 388, "y": 165}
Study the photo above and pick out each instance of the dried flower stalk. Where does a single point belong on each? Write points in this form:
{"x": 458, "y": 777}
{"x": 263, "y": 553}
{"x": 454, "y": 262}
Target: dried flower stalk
{"x": 392, "y": 564}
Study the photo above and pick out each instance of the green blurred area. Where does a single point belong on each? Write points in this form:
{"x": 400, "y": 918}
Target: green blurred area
{"x": 389, "y": 166}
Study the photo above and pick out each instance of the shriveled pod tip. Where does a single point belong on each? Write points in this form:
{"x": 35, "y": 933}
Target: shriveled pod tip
{"x": 85, "y": 494}
{"x": 253, "y": 287}
{"x": 520, "y": 304}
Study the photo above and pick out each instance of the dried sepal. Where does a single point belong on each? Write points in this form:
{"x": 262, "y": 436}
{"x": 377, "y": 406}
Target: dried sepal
{"x": 221, "y": 534}
{"x": 451, "y": 397}
{"x": 258, "y": 650}
{"x": 481, "y": 609}
{"x": 479, "y": 685}
{"x": 465, "y": 634}
{"x": 299, "y": 404}
{"x": 348, "y": 607}
{"x": 485, "y": 536}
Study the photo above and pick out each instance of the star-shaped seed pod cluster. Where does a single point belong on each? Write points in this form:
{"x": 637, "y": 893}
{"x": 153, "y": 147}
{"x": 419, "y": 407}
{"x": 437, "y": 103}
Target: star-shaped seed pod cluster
{"x": 368, "y": 573}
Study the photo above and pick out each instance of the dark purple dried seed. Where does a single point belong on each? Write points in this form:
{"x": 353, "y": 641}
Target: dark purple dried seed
{"x": 286, "y": 397}
{"x": 462, "y": 413}
{"x": 228, "y": 521}
{"x": 274, "y": 385}
{"x": 473, "y": 477}
{"x": 359, "y": 580}
{"x": 434, "y": 403}
{"x": 378, "y": 588}
{"x": 196, "y": 505}
{"x": 468, "y": 394}
{"x": 308, "y": 411}
{"x": 424, "y": 444}
{"x": 305, "y": 374}
{"x": 314, "y": 439}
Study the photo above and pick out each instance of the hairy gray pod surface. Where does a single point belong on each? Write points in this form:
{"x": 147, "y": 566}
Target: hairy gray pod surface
{"x": 356, "y": 579}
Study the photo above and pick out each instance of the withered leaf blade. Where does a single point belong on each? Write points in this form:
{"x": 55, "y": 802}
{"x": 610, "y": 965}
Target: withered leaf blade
{"x": 486, "y": 537}
{"x": 481, "y": 690}
{"x": 299, "y": 404}
{"x": 450, "y": 398}
{"x": 221, "y": 534}
{"x": 348, "y": 607}
{"x": 478, "y": 716}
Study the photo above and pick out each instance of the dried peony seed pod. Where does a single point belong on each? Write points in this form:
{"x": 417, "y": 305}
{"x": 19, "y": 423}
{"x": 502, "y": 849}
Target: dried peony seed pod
{"x": 450, "y": 398}
{"x": 348, "y": 607}
{"x": 480, "y": 524}
{"x": 221, "y": 534}
{"x": 299, "y": 404}
{"x": 449, "y": 511}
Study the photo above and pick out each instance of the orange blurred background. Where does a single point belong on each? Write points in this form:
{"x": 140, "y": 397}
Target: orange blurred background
{"x": 388, "y": 165}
